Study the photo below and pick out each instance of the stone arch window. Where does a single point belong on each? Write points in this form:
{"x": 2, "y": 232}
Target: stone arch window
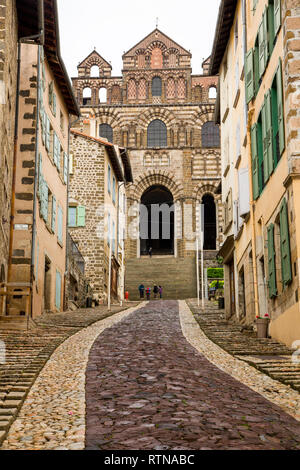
{"x": 105, "y": 131}
{"x": 210, "y": 135}
{"x": 157, "y": 58}
{"x": 171, "y": 88}
{"x": 212, "y": 93}
{"x": 181, "y": 88}
{"x": 157, "y": 134}
{"x": 156, "y": 86}
{"x": 115, "y": 94}
{"x": 103, "y": 95}
{"x": 142, "y": 89}
{"x": 131, "y": 90}
{"x": 87, "y": 96}
{"x": 95, "y": 71}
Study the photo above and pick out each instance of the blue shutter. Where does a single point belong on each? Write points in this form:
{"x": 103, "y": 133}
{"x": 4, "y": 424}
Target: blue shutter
{"x": 54, "y": 104}
{"x": 60, "y": 225}
{"x": 53, "y": 222}
{"x": 47, "y": 132}
{"x": 108, "y": 229}
{"x": 114, "y": 190}
{"x": 113, "y": 237}
{"x": 44, "y": 201}
{"x": 72, "y": 216}
{"x": 58, "y": 291}
{"x": 65, "y": 167}
{"x": 40, "y": 173}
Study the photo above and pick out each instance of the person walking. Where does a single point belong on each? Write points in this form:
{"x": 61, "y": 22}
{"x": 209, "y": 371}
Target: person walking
{"x": 142, "y": 291}
{"x": 155, "y": 291}
{"x": 150, "y": 251}
{"x": 160, "y": 289}
{"x": 148, "y": 293}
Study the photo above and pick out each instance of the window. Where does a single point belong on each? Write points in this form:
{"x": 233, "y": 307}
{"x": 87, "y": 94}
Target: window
{"x": 156, "y": 86}
{"x": 76, "y": 216}
{"x": 52, "y": 98}
{"x": 210, "y": 135}
{"x": 157, "y": 134}
{"x": 114, "y": 190}
{"x": 212, "y": 94}
{"x": 106, "y": 132}
{"x": 95, "y": 71}
{"x": 62, "y": 123}
{"x": 181, "y": 88}
{"x": 102, "y": 95}
{"x": 87, "y": 96}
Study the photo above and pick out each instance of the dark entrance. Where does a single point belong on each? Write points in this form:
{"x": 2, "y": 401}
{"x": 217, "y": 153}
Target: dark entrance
{"x": 210, "y": 222}
{"x": 157, "y": 221}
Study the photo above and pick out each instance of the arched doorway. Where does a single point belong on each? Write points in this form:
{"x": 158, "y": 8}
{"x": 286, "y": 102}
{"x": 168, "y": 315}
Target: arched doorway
{"x": 210, "y": 222}
{"x": 157, "y": 221}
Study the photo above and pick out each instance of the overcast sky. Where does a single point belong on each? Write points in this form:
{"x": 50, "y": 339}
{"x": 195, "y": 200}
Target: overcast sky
{"x": 115, "y": 26}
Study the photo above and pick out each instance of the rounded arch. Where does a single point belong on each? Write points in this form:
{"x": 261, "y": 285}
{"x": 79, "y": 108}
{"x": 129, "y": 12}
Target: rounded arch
{"x": 87, "y": 95}
{"x": 210, "y": 221}
{"x": 212, "y": 92}
{"x": 156, "y": 86}
{"x": 95, "y": 71}
{"x": 157, "y": 134}
{"x": 153, "y": 178}
{"x": 102, "y": 94}
{"x": 106, "y": 132}
{"x": 157, "y": 113}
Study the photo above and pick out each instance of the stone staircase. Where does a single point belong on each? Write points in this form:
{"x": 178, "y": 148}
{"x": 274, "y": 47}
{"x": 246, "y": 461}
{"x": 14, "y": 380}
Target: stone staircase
{"x": 177, "y": 276}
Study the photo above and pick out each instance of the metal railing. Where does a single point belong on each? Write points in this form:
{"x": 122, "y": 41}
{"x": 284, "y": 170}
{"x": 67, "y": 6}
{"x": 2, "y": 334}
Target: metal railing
{"x": 75, "y": 255}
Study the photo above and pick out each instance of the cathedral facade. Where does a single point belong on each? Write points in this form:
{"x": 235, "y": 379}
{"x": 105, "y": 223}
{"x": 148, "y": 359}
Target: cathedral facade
{"x": 164, "y": 116}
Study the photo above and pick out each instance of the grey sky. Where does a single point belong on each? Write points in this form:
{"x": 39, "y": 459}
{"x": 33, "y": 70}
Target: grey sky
{"x": 115, "y": 26}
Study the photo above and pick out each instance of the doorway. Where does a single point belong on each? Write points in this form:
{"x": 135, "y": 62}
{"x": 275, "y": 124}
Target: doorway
{"x": 47, "y": 284}
{"x": 210, "y": 222}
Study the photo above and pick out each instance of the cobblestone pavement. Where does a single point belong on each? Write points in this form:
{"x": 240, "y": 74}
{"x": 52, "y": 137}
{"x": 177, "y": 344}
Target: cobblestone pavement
{"x": 27, "y": 352}
{"x": 267, "y": 355}
{"x": 148, "y": 388}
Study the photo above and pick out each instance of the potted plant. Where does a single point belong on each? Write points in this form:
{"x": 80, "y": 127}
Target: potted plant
{"x": 262, "y": 324}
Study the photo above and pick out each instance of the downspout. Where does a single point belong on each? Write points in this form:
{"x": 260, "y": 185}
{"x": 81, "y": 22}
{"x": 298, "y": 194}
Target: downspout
{"x": 249, "y": 152}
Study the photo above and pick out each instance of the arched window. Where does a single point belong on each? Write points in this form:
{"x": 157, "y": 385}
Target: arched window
{"x": 212, "y": 93}
{"x": 102, "y": 95}
{"x": 142, "y": 89}
{"x": 95, "y": 71}
{"x": 171, "y": 90}
{"x": 157, "y": 134}
{"x": 115, "y": 94}
{"x": 131, "y": 90}
{"x": 106, "y": 132}
{"x": 141, "y": 61}
{"x": 210, "y": 135}
{"x": 87, "y": 96}
{"x": 157, "y": 58}
{"x": 156, "y": 86}
{"x": 181, "y": 88}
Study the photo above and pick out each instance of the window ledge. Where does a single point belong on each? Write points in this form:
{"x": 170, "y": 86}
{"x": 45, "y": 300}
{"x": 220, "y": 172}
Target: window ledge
{"x": 226, "y": 170}
{"x": 60, "y": 243}
{"x": 238, "y": 161}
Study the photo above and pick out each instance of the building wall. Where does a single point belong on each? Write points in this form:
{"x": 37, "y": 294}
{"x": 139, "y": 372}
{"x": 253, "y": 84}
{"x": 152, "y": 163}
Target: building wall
{"x": 8, "y": 78}
{"x": 28, "y": 262}
{"x": 184, "y": 167}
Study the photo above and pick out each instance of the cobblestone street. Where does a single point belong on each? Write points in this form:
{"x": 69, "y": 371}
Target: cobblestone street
{"x": 134, "y": 381}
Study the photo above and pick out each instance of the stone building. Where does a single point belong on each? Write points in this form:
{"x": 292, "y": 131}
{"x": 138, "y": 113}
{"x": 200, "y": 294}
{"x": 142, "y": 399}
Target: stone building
{"x": 12, "y": 29}
{"x": 163, "y": 115}
{"x": 262, "y": 251}
{"x": 99, "y": 173}
{"x": 39, "y": 230}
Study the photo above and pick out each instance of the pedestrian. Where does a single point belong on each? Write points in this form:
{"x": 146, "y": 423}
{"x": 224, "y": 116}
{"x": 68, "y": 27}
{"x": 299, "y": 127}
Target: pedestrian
{"x": 155, "y": 291}
{"x": 150, "y": 251}
{"x": 142, "y": 291}
{"x": 160, "y": 289}
{"x": 148, "y": 293}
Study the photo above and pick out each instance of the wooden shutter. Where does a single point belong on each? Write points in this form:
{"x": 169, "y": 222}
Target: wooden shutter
{"x": 80, "y": 216}
{"x": 60, "y": 224}
{"x": 266, "y": 42}
{"x": 54, "y": 104}
{"x": 285, "y": 244}
{"x": 280, "y": 109}
{"x": 114, "y": 190}
{"x": 65, "y": 167}
{"x": 43, "y": 126}
{"x": 271, "y": 262}
{"x": 58, "y": 291}
{"x": 264, "y": 140}
{"x": 254, "y": 150}
{"x": 249, "y": 82}
{"x": 269, "y": 133}
{"x": 109, "y": 180}
{"x": 53, "y": 221}
{"x": 271, "y": 35}
{"x": 277, "y": 16}
{"x": 44, "y": 201}
{"x": 261, "y": 49}
{"x": 47, "y": 133}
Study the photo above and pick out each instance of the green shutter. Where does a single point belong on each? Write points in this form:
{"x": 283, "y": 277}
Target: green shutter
{"x": 269, "y": 134}
{"x": 266, "y": 41}
{"x": 60, "y": 224}
{"x": 56, "y": 150}
{"x": 44, "y": 201}
{"x": 271, "y": 34}
{"x": 80, "y": 216}
{"x": 277, "y": 16}
{"x": 264, "y": 141}
{"x": 58, "y": 291}
{"x": 280, "y": 109}
{"x": 50, "y": 94}
{"x": 53, "y": 222}
{"x": 54, "y": 104}
{"x": 65, "y": 168}
{"x": 249, "y": 83}
{"x": 271, "y": 262}
{"x": 261, "y": 49}
{"x": 47, "y": 133}
{"x": 286, "y": 265}
{"x": 254, "y": 161}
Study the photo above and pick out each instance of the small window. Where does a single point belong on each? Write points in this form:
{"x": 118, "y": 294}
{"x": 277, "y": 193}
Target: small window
{"x": 157, "y": 134}
{"x": 87, "y": 96}
{"x": 212, "y": 94}
{"x": 106, "y": 132}
{"x": 156, "y": 86}
{"x": 95, "y": 72}
{"x": 72, "y": 216}
{"x": 102, "y": 95}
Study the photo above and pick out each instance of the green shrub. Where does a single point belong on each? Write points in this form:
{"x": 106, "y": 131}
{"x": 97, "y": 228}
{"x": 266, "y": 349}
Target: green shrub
{"x": 214, "y": 284}
{"x": 215, "y": 273}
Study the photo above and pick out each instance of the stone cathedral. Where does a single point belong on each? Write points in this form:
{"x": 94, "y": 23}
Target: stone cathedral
{"x": 164, "y": 116}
